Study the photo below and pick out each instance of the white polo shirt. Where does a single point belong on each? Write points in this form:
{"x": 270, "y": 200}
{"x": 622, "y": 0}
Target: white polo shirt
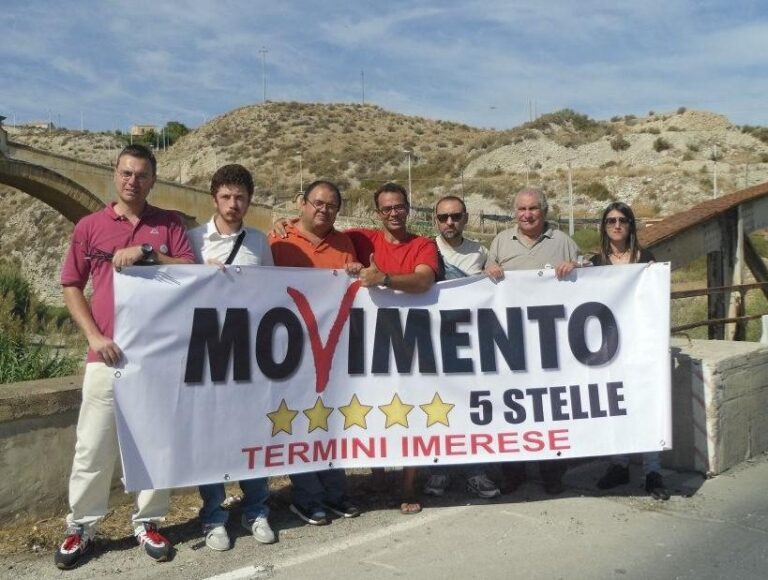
{"x": 209, "y": 244}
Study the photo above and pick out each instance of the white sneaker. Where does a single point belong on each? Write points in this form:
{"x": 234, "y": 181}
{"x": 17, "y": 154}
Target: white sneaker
{"x": 437, "y": 484}
{"x": 260, "y": 529}
{"x": 217, "y": 538}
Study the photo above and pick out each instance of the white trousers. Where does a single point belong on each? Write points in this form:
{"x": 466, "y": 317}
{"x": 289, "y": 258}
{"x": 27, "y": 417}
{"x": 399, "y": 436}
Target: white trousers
{"x": 96, "y": 453}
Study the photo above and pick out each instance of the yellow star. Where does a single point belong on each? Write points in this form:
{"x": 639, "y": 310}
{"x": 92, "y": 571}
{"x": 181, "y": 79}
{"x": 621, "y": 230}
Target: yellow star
{"x": 282, "y": 418}
{"x": 396, "y": 412}
{"x": 354, "y": 413}
{"x": 437, "y": 411}
{"x": 318, "y": 416}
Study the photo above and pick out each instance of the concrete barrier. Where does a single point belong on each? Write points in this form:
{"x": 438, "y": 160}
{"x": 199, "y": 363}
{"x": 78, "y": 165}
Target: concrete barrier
{"x": 719, "y": 407}
{"x": 719, "y": 404}
{"x": 37, "y": 442}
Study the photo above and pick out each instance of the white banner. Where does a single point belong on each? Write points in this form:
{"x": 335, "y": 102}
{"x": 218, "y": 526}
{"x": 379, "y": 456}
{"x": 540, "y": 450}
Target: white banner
{"x": 266, "y": 371}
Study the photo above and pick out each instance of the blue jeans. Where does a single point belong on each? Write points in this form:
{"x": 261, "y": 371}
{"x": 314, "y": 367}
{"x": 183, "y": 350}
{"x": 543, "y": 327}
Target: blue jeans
{"x": 317, "y": 486}
{"x": 255, "y": 494}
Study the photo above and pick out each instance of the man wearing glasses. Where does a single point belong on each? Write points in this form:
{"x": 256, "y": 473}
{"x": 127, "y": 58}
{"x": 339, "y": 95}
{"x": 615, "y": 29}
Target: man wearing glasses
{"x": 532, "y": 244}
{"x": 126, "y": 232}
{"x": 461, "y": 258}
{"x": 312, "y": 242}
{"x": 392, "y": 257}
{"x": 221, "y": 242}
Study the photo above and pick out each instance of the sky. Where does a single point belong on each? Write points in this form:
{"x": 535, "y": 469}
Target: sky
{"x": 487, "y": 63}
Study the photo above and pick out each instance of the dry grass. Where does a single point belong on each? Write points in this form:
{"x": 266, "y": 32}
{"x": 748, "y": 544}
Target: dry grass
{"x": 182, "y": 522}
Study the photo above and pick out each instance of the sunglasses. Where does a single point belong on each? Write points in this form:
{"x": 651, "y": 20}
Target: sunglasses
{"x": 612, "y": 221}
{"x": 443, "y": 217}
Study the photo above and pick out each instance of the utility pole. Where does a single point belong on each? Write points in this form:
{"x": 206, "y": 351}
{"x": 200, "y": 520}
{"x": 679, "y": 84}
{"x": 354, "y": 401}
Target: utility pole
{"x": 570, "y": 200}
{"x": 410, "y": 189}
{"x": 301, "y": 176}
{"x": 362, "y": 83}
{"x": 82, "y": 128}
{"x": 263, "y": 52}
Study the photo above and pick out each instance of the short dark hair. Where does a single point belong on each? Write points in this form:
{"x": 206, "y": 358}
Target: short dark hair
{"x": 140, "y": 152}
{"x": 390, "y": 187}
{"x": 233, "y": 174}
{"x": 323, "y": 183}
{"x": 451, "y": 198}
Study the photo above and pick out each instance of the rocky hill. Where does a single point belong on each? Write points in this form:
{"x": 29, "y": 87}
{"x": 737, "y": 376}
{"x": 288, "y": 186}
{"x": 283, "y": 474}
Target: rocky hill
{"x": 661, "y": 163}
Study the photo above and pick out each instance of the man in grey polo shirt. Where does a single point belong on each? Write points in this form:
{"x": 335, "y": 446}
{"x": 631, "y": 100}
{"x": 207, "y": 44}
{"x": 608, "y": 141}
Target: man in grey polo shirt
{"x": 533, "y": 244}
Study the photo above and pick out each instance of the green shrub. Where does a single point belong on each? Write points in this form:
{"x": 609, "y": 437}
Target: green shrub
{"x": 588, "y": 240}
{"x": 619, "y": 143}
{"x": 22, "y": 361}
{"x": 661, "y": 144}
{"x": 597, "y": 191}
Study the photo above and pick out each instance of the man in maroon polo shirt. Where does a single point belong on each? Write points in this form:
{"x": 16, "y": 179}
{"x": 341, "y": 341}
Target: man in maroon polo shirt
{"x": 124, "y": 233}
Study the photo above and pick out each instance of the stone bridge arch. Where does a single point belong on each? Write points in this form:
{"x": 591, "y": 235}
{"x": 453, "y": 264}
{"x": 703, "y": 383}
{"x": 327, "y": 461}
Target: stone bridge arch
{"x": 70, "y": 199}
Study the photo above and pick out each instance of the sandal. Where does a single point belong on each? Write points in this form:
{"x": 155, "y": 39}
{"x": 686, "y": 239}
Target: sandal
{"x": 409, "y": 506}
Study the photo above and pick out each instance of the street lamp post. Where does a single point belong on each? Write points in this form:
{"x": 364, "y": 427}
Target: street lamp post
{"x": 570, "y": 201}
{"x": 263, "y": 52}
{"x": 410, "y": 187}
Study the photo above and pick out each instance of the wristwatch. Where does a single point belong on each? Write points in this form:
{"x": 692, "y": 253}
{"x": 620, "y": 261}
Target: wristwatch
{"x": 147, "y": 250}
{"x": 385, "y": 281}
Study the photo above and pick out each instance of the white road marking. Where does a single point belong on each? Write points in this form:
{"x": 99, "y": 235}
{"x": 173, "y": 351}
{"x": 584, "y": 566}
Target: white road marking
{"x": 414, "y": 521}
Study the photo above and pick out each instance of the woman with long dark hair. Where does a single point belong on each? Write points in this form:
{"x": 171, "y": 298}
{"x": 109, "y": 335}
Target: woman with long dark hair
{"x": 619, "y": 245}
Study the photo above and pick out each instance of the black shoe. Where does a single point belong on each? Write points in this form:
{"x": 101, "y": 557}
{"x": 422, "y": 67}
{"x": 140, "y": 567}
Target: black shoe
{"x": 312, "y": 514}
{"x": 615, "y": 476}
{"x": 654, "y": 485}
{"x": 343, "y": 507}
{"x": 554, "y": 486}
{"x": 76, "y": 545}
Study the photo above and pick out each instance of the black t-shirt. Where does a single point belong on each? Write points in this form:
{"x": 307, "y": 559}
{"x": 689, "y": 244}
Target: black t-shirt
{"x": 645, "y": 257}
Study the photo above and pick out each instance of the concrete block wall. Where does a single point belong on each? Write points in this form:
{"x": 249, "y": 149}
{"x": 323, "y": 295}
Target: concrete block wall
{"x": 719, "y": 404}
{"x": 37, "y": 442}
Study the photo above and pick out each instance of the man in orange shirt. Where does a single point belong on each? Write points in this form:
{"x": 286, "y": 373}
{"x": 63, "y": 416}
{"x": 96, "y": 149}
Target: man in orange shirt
{"x": 312, "y": 242}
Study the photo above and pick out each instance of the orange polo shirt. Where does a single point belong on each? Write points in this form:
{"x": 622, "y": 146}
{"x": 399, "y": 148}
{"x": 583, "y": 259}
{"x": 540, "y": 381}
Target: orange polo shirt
{"x": 334, "y": 251}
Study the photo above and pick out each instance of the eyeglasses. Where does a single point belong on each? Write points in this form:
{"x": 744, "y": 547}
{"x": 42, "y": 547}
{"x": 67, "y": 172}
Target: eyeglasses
{"x": 388, "y": 209}
{"x": 455, "y": 217}
{"x": 318, "y": 205}
{"x": 126, "y": 176}
{"x": 612, "y": 221}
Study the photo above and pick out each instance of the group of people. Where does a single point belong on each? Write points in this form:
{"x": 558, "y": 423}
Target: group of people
{"x": 130, "y": 231}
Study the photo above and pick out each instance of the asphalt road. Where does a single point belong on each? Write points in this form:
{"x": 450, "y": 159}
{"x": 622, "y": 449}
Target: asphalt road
{"x": 710, "y": 529}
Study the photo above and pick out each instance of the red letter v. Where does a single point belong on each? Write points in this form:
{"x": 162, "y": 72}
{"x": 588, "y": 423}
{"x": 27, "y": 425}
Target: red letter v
{"x": 323, "y": 355}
